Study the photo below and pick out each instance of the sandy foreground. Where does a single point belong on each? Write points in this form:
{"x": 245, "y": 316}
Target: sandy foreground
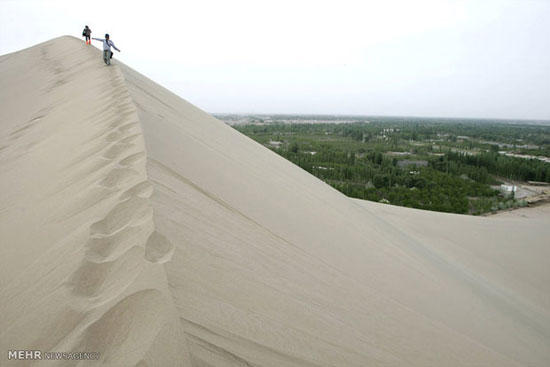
{"x": 135, "y": 225}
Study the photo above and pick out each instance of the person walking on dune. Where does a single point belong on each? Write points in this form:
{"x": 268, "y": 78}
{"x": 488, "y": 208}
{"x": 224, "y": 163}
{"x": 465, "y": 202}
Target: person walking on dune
{"x": 107, "y": 53}
{"x": 87, "y": 32}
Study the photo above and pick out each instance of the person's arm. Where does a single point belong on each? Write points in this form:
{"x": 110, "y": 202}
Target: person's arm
{"x": 98, "y": 39}
{"x": 113, "y": 44}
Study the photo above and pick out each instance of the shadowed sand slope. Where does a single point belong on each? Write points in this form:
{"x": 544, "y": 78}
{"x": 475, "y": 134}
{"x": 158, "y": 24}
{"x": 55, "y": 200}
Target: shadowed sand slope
{"x": 136, "y": 225}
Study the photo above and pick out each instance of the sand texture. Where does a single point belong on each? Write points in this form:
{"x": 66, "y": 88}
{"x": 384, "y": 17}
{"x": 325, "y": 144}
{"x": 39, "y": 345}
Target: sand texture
{"x": 136, "y": 225}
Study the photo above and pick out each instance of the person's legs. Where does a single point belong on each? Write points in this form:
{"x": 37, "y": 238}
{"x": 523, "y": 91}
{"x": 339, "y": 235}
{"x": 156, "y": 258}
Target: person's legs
{"x": 109, "y": 53}
{"x": 106, "y": 56}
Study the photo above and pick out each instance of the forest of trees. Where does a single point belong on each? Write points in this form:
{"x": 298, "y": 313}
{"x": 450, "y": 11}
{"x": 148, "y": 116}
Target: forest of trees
{"x": 449, "y": 172}
{"x": 491, "y": 162}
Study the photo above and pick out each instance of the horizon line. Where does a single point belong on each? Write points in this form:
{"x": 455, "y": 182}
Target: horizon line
{"x": 387, "y": 116}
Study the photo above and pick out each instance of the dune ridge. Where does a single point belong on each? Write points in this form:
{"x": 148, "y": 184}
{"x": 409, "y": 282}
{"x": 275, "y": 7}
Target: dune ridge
{"x": 112, "y": 285}
{"x": 138, "y": 226}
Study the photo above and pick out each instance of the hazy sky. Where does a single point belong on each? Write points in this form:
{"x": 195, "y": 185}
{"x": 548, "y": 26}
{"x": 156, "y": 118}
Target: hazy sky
{"x": 456, "y": 58}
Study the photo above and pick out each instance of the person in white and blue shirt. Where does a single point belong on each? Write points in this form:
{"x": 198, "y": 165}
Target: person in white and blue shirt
{"x": 107, "y": 44}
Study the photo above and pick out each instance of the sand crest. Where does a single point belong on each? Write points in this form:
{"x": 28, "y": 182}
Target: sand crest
{"x": 135, "y": 225}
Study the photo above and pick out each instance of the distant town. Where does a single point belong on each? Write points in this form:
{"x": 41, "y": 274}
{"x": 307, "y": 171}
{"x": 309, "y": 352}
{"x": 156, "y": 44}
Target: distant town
{"x": 251, "y": 119}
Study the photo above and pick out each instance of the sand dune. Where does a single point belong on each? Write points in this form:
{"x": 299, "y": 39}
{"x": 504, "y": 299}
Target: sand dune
{"x": 136, "y": 225}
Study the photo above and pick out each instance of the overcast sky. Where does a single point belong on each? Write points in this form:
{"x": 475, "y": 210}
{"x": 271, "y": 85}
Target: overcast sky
{"x": 455, "y": 58}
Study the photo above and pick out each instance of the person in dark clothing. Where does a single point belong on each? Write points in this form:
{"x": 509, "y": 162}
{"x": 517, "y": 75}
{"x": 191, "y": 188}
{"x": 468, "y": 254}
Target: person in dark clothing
{"x": 87, "y": 32}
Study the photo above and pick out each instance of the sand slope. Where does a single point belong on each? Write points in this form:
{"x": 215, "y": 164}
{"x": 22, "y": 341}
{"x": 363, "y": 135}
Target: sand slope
{"x": 136, "y": 225}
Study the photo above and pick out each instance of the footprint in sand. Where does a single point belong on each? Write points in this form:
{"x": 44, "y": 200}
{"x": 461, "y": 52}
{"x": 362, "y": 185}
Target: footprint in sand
{"x": 158, "y": 249}
{"x": 133, "y": 211}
